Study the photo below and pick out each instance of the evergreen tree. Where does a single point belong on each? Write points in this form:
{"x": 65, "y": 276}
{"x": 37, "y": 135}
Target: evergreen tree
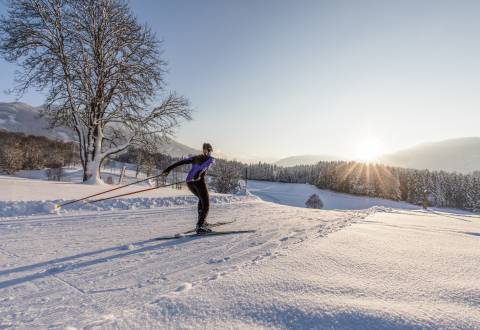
{"x": 314, "y": 202}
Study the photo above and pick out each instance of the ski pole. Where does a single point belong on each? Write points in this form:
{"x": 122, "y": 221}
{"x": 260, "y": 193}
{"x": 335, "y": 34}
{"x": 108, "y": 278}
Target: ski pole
{"x": 131, "y": 193}
{"x": 58, "y": 206}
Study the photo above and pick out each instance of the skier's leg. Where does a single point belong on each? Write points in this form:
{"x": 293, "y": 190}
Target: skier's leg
{"x": 204, "y": 199}
{"x": 192, "y": 186}
{"x": 199, "y": 208}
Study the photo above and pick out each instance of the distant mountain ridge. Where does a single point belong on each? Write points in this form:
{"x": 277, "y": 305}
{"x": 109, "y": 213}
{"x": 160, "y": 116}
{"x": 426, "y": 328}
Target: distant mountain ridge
{"x": 23, "y": 118}
{"x": 306, "y": 160}
{"x": 453, "y": 155}
{"x": 177, "y": 149}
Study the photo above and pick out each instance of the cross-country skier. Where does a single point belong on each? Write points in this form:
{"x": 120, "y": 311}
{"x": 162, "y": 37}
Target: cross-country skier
{"x": 196, "y": 183}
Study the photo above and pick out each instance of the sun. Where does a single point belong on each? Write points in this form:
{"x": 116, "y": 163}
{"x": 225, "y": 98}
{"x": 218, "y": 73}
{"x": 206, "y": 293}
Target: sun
{"x": 369, "y": 149}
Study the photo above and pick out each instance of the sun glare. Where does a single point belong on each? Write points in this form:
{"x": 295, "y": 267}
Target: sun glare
{"x": 369, "y": 149}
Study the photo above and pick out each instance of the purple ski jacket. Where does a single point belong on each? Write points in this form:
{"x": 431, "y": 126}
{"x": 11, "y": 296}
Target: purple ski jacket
{"x": 200, "y": 165}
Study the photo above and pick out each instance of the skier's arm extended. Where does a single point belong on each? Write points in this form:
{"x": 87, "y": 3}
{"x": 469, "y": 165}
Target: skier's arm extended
{"x": 185, "y": 161}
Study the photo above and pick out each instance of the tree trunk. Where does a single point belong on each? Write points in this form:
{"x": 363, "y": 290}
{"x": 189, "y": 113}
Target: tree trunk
{"x": 91, "y": 174}
{"x": 94, "y": 158}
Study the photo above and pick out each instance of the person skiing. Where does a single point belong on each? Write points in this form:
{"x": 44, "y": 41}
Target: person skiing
{"x": 196, "y": 183}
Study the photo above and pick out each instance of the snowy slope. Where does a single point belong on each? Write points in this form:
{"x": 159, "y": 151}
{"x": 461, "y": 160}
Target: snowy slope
{"x": 84, "y": 270}
{"x": 23, "y": 118}
{"x": 24, "y": 197}
{"x": 100, "y": 267}
{"x": 31, "y": 195}
{"x": 391, "y": 270}
{"x": 296, "y": 194}
{"x": 302, "y": 268}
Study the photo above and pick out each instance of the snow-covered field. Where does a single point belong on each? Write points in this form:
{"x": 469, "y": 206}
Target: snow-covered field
{"x": 25, "y": 197}
{"x": 377, "y": 267}
{"x": 296, "y": 194}
{"x": 28, "y": 193}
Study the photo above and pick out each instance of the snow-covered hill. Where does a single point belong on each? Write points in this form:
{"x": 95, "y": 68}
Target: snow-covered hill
{"x": 176, "y": 149}
{"x": 305, "y": 160}
{"x": 379, "y": 267}
{"x": 296, "y": 194}
{"x": 23, "y": 118}
{"x": 460, "y": 155}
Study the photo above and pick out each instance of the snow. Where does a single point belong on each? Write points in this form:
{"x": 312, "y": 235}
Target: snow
{"x": 296, "y": 194}
{"x": 25, "y": 197}
{"x": 378, "y": 267}
{"x": 365, "y": 276}
{"x": 26, "y": 208}
{"x": 23, "y": 118}
{"x": 31, "y": 187}
{"x": 29, "y": 194}
{"x": 63, "y": 136}
{"x": 9, "y": 119}
{"x": 184, "y": 287}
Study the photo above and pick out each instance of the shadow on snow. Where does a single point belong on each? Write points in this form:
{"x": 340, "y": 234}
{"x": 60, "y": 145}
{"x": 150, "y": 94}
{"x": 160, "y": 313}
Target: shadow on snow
{"x": 61, "y": 268}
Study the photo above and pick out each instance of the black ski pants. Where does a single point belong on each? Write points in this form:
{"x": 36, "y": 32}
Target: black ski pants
{"x": 199, "y": 189}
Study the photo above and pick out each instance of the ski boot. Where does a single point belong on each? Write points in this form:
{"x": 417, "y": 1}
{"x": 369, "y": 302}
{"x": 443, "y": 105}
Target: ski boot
{"x": 203, "y": 229}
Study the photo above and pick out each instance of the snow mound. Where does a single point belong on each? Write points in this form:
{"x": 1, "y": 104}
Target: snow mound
{"x": 184, "y": 287}
{"x": 27, "y": 208}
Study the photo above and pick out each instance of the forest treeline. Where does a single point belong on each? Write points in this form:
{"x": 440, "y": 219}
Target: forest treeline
{"x": 443, "y": 189}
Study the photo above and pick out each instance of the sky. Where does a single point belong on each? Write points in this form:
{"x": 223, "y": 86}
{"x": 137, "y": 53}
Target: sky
{"x": 273, "y": 78}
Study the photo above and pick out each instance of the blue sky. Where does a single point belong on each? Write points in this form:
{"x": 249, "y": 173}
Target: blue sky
{"x": 273, "y": 78}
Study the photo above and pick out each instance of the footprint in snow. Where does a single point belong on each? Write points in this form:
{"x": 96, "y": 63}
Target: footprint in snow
{"x": 184, "y": 287}
{"x": 218, "y": 261}
{"x": 214, "y": 277}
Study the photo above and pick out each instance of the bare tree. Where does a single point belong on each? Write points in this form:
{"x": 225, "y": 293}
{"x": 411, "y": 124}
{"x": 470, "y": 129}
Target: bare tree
{"x": 102, "y": 70}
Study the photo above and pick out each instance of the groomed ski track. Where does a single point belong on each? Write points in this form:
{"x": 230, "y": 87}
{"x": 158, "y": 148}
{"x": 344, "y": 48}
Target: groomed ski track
{"x": 302, "y": 268}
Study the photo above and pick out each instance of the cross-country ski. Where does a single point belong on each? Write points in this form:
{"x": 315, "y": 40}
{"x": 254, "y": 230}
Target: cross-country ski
{"x": 211, "y": 233}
